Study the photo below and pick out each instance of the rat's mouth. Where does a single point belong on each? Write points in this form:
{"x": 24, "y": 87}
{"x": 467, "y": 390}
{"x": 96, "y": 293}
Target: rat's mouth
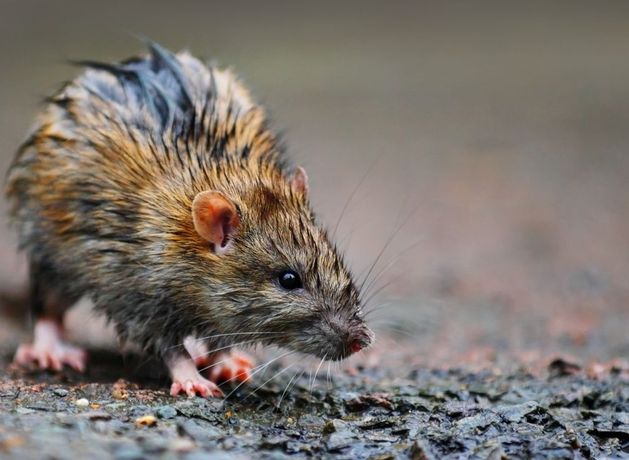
{"x": 336, "y": 347}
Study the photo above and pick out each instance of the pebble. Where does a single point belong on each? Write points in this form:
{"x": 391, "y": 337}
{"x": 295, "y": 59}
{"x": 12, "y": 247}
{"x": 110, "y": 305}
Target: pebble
{"x": 146, "y": 420}
{"x": 333, "y": 426}
{"x": 61, "y": 392}
{"x": 82, "y": 402}
{"x": 119, "y": 393}
{"x": 166, "y": 412}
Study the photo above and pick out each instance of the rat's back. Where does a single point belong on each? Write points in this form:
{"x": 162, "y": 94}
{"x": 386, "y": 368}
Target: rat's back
{"x": 120, "y": 137}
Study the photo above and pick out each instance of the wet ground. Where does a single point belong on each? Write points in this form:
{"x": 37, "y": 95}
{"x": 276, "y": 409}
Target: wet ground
{"x": 374, "y": 413}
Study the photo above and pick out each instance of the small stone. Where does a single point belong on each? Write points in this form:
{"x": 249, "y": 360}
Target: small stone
{"x": 119, "y": 393}
{"x": 333, "y": 426}
{"x": 166, "y": 412}
{"x": 120, "y": 390}
{"x": 61, "y": 392}
{"x": 146, "y": 420}
{"x": 82, "y": 402}
{"x": 516, "y": 412}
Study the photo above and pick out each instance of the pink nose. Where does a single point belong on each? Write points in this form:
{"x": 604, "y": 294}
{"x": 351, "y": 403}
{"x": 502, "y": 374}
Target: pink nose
{"x": 355, "y": 346}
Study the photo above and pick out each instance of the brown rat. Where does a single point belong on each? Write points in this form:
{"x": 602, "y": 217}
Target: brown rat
{"x": 156, "y": 188}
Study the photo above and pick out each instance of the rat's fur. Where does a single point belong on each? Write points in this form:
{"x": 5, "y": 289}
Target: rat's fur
{"x": 101, "y": 195}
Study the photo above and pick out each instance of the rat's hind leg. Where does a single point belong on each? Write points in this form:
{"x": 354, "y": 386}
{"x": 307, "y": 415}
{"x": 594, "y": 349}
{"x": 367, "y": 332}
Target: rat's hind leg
{"x": 48, "y": 349}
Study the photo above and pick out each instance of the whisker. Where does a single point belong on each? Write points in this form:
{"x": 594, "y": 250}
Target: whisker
{"x": 409, "y": 334}
{"x": 329, "y": 381}
{"x": 287, "y": 386}
{"x": 377, "y": 309}
{"x": 399, "y": 256}
{"x": 317, "y": 371}
{"x": 387, "y": 243}
{"x": 199, "y": 339}
{"x": 237, "y": 333}
{"x": 255, "y": 371}
{"x": 378, "y": 291}
{"x": 214, "y": 364}
{"x": 272, "y": 377}
{"x": 351, "y": 195}
{"x": 224, "y": 348}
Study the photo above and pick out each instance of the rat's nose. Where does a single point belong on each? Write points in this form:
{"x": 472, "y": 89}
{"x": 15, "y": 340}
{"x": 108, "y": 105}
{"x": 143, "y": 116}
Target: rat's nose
{"x": 359, "y": 342}
{"x": 355, "y": 346}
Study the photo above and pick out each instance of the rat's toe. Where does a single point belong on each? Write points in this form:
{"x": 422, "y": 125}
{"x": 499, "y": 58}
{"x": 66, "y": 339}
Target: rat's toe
{"x": 236, "y": 366}
{"x": 49, "y": 351}
{"x": 192, "y": 388}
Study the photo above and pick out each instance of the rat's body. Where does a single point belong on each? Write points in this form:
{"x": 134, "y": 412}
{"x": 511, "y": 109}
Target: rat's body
{"x": 156, "y": 188}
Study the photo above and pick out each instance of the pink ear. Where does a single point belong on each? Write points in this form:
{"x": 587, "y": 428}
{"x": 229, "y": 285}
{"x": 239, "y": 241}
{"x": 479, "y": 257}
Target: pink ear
{"x": 299, "y": 182}
{"x": 215, "y": 219}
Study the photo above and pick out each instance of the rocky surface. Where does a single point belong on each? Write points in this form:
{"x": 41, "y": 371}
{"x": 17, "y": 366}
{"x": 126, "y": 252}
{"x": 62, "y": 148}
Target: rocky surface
{"x": 374, "y": 413}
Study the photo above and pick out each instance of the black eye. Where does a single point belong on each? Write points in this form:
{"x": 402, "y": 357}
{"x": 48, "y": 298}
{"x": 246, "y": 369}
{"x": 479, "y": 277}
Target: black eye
{"x": 289, "y": 280}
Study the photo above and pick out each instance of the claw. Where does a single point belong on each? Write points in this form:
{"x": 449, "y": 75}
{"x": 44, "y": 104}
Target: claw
{"x": 49, "y": 351}
{"x": 187, "y": 380}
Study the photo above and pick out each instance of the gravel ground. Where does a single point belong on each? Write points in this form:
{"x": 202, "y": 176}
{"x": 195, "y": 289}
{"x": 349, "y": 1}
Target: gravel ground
{"x": 368, "y": 413}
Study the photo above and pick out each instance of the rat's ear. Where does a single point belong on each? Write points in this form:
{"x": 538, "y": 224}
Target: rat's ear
{"x": 215, "y": 219}
{"x": 299, "y": 181}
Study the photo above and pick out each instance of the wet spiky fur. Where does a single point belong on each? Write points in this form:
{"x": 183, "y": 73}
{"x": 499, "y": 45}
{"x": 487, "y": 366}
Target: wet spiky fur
{"x": 101, "y": 195}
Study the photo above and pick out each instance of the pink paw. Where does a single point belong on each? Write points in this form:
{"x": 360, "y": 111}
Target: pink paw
{"x": 54, "y": 356}
{"x": 234, "y": 366}
{"x": 197, "y": 386}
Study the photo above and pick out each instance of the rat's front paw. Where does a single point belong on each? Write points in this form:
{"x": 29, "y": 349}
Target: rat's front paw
{"x": 187, "y": 380}
{"x": 198, "y": 386}
{"x": 230, "y": 366}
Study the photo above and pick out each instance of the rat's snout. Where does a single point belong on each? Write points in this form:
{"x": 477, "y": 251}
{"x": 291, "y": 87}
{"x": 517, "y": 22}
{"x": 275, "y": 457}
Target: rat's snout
{"x": 359, "y": 340}
{"x": 347, "y": 337}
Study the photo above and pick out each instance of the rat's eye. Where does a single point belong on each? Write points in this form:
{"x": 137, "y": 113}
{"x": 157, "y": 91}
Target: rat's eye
{"x": 289, "y": 280}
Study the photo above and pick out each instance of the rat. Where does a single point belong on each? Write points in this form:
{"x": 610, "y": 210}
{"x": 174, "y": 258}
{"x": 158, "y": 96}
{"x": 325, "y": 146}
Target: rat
{"x": 156, "y": 187}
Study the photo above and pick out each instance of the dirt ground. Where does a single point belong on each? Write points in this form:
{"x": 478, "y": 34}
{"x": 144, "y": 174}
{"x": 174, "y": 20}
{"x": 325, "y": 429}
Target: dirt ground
{"x": 493, "y": 142}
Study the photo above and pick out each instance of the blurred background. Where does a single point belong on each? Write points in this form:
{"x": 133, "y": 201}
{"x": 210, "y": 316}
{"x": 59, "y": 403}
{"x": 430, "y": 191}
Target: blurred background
{"x": 484, "y": 146}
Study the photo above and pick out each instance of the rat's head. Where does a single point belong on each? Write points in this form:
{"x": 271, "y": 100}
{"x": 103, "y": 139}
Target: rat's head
{"x": 273, "y": 270}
